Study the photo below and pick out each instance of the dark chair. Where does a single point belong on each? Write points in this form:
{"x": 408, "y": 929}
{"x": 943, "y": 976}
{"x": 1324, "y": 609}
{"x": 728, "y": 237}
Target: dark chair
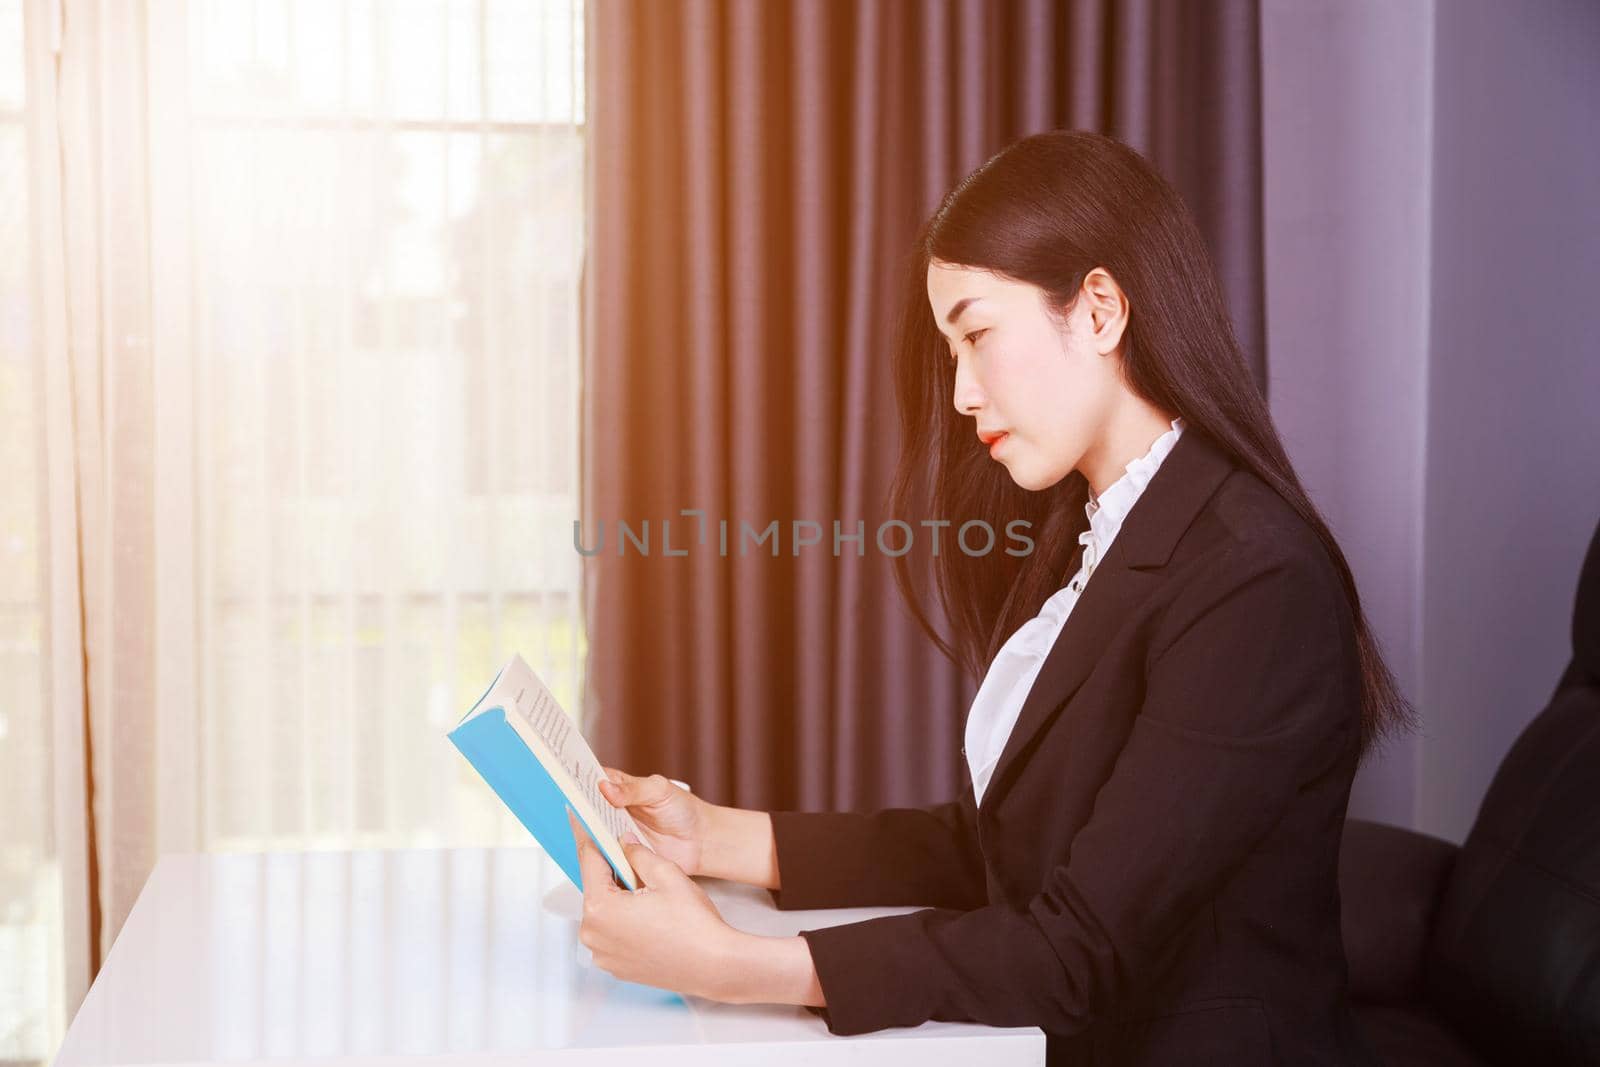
{"x": 1490, "y": 953}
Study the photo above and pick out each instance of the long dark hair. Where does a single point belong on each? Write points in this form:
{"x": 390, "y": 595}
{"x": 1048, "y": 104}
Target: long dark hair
{"x": 1046, "y": 210}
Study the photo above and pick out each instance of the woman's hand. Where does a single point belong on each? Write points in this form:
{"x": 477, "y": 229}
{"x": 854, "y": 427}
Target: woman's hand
{"x": 674, "y": 820}
{"x": 700, "y": 837}
{"x": 666, "y": 934}
{"x": 670, "y": 935}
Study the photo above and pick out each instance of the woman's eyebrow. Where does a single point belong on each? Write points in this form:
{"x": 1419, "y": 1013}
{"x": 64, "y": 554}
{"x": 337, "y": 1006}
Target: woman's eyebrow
{"x": 960, "y": 306}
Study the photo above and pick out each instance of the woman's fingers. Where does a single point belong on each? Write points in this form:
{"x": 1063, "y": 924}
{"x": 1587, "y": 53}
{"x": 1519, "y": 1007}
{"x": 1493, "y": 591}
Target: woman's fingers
{"x": 593, "y": 869}
{"x": 611, "y": 786}
{"x": 625, "y": 790}
{"x": 652, "y": 868}
{"x": 614, "y": 788}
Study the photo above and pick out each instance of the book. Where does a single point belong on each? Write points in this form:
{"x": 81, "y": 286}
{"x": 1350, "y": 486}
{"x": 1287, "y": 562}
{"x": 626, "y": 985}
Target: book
{"x": 522, "y": 742}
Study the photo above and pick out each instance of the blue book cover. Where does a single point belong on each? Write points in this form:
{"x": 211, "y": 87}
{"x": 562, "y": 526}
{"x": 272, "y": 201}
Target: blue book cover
{"x": 521, "y": 741}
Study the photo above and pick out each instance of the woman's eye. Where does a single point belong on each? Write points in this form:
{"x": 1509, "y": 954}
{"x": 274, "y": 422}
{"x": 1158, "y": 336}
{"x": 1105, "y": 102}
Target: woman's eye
{"x": 969, "y": 339}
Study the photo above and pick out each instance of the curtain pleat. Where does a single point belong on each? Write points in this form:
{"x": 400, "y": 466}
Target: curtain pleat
{"x": 758, "y": 171}
{"x": 109, "y": 361}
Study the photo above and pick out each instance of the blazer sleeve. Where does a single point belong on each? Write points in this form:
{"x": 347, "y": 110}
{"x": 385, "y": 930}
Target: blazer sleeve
{"x": 1248, "y": 695}
{"x": 897, "y": 856}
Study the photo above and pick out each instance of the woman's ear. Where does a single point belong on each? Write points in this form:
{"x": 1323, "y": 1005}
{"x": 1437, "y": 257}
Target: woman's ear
{"x": 1108, "y": 310}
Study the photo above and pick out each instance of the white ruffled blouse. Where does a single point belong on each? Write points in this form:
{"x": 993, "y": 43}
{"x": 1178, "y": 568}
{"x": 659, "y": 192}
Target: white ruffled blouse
{"x": 1010, "y": 676}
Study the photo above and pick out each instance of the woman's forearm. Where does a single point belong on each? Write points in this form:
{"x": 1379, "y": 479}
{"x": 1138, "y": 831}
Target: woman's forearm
{"x": 738, "y": 845}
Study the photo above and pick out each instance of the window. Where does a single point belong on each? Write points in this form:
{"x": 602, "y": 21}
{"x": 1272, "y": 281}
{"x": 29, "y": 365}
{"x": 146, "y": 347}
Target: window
{"x": 365, "y": 221}
{"x": 387, "y": 225}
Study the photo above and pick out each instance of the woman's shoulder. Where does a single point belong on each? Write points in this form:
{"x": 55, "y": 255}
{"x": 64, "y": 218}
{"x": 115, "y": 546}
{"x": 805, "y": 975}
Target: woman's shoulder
{"x": 1247, "y": 528}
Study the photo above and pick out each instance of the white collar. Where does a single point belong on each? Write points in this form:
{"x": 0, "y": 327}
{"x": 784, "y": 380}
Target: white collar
{"x": 1107, "y": 510}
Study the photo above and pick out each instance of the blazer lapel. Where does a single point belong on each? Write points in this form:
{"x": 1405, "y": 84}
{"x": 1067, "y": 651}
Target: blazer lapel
{"x": 1182, "y": 484}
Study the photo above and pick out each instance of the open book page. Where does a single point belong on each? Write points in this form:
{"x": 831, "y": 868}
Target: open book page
{"x": 526, "y": 696}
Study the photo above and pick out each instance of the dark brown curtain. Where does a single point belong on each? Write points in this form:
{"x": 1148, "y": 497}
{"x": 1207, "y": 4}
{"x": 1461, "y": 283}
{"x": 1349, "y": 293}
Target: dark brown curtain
{"x": 758, "y": 170}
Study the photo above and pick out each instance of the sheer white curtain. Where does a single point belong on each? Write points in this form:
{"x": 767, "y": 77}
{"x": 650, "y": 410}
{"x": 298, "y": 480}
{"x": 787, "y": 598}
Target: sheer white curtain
{"x": 290, "y": 405}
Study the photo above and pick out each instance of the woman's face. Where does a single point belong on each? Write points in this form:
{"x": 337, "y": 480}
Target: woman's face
{"x": 1048, "y": 389}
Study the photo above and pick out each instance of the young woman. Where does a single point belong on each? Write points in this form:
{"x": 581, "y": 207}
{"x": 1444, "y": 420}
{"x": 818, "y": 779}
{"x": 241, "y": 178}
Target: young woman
{"x": 1177, "y": 683}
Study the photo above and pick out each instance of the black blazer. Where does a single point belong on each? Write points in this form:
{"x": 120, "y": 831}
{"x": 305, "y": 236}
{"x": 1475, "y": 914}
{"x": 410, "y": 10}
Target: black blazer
{"x": 1152, "y": 878}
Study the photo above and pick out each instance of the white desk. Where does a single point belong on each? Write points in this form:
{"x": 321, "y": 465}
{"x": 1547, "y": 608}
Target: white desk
{"x": 459, "y": 955}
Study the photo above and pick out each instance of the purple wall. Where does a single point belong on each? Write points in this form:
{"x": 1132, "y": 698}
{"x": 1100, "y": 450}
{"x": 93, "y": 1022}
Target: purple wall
{"x": 1513, "y": 454}
{"x": 1433, "y": 251}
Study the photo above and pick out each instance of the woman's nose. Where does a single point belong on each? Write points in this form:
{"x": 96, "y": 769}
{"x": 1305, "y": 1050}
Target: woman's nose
{"x": 968, "y": 397}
